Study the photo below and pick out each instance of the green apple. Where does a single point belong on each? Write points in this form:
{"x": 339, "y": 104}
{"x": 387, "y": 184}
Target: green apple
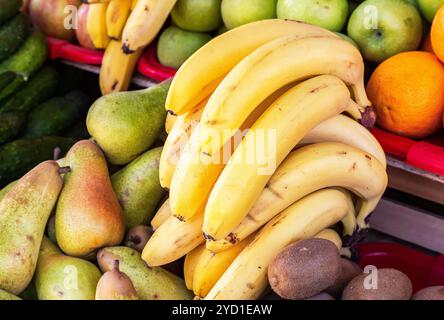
{"x": 197, "y": 15}
{"x": 329, "y": 14}
{"x": 429, "y": 7}
{"x": 383, "y": 28}
{"x": 348, "y": 39}
{"x": 239, "y": 12}
{"x": 177, "y": 45}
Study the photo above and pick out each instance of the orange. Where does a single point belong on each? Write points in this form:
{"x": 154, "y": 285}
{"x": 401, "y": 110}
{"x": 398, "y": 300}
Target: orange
{"x": 427, "y": 44}
{"x": 437, "y": 33}
{"x": 407, "y": 91}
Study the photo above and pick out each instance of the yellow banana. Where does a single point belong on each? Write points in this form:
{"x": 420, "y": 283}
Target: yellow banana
{"x": 306, "y": 170}
{"x": 204, "y": 70}
{"x": 176, "y": 141}
{"x": 211, "y": 266}
{"x": 116, "y": 15}
{"x": 144, "y": 23}
{"x": 189, "y": 266}
{"x": 330, "y": 234}
{"x": 275, "y": 134}
{"x": 96, "y": 1}
{"x": 161, "y": 215}
{"x": 246, "y": 278}
{"x": 199, "y": 172}
{"x": 270, "y": 67}
{"x": 96, "y": 24}
{"x": 133, "y": 4}
{"x": 169, "y": 122}
{"x": 172, "y": 240}
{"x": 347, "y": 131}
{"x": 117, "y": 68}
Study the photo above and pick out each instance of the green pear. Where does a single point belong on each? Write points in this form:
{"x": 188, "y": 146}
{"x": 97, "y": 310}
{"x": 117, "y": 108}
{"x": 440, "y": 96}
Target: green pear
{"x": 125, "y": 124}
{"x": 4, "y": 295}
{"x": 60, "y": 277}
{"x": 25, "y": 210}
{"x": 50, "y": 229}
{"x": 138, "y": 188}
{"x": 115, "y": 285}
{"x": 88, "y": 215}
{"x": 151, "y": 283}
{"x": 6, "y": 189}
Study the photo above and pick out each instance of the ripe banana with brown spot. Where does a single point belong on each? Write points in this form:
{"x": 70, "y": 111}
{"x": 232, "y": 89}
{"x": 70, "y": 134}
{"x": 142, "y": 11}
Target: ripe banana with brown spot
{"x": 96, "y": 24}
{"x": 270, "y": 67}
{"x": 331, "y": 235}
{"x": 116, "y": 15}
{"x": 206, "y": 68}
{"x": 304, "y": 171}
{"x": 189, "y": 266}
{"x": 246, "y": 278}
{"x": 162, "y": 214}
{"x": 276, "y": 133}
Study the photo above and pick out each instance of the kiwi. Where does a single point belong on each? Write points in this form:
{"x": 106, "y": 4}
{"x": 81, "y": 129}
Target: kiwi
{"x": 349, "y": 270}
{"x": 391, "y": 285}
{"x": 430, "y": 293}
{"x": 322, "y": 296}
{"x": 304, "y": 269}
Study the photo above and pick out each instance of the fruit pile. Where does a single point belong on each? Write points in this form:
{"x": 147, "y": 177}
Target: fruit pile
{"x": 35, "y": 106}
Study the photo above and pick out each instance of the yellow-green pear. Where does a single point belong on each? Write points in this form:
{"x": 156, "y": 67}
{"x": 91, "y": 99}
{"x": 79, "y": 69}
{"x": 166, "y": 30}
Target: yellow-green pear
{"x": 88, "y": 215}
{"x": 115, "y": 285}
{"x": 4, "y": 295}
{"x": 24, "y": 212}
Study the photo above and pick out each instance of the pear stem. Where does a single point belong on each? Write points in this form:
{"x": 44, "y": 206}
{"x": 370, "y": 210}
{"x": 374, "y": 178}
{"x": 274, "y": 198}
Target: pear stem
{"x": 64, "y": 170}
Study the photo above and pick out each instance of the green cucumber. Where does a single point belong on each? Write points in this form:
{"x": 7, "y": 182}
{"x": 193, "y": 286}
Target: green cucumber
{"x": 56, "y": 115}
{"x": 5, "y": 79}
{"x": 20, "y": 156}
{"x": 10, "y": 125}
{"x": 8, "y": 9}
{"x": 29, "y": 58}
{"x": 42, "y": 86}
{"x": 12, "y": 35}
{"x": 13, "y": 86}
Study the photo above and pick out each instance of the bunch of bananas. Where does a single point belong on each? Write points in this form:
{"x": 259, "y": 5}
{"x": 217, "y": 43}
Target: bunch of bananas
{"x": 229, "y": 217}
{"x": 123, "y": 28}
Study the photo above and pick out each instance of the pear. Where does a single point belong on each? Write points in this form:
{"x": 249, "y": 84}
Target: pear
{"x": 6, "y": 189}
{"x": 24, "y": 211}
{"x": 88, "y": 215}
{"x": 126, "y": 124}
{"x": 50, "y": 229}
{"x": 138, "y": 188}
{"x": 4, "y": 295}
{"x": 137, "y": 237}
{"x": 151, "y": 283}
{"x": 60, "y": 277}
{"x": 115, "y": 285}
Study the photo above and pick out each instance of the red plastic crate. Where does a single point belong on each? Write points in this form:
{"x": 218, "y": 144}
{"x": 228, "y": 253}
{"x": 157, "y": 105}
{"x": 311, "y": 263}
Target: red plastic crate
{"x": 422, "y": 269}
{"x": 61, "y": 49}
{"x": 150, "y": 66}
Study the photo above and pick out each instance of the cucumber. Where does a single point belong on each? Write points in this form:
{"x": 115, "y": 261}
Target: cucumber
{"x": 10, "y": 125}
{"x": 12, "y": 35}
{"x": 5, "y": 79}
{"x": 14, "y": 85}
{"x": 78, "y": 131}
{"x": 20, "y": 156}
{"x": 29, "y": 58}
{"x": 8, "y": 9}
{"x": 56, "y": 115}
{"x": 41, "y": 87}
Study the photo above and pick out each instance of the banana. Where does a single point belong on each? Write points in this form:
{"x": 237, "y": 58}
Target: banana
{"x": 275, "y": 134}
{"x": 204, "y": 70}
{"x": 273, "y": 65}
{"x": 117, "y": 68}
{"x": 96, "y": 24}
{"x": 116, "y": 15}
{"x": 347, "y": 131}
{"x": 144, "y": 23}
{"x": 330, "y": 234}
{"x": 172, "y": 240}
{"x": 304, "y": 171}
{"x": 96, "y": 1}
{"x": 161, "y": 215}
{"x": 176, "y": 141}
{"x": 210, "y": 266}
{"x": 199, "y": 172}
{"x": 189, "y": 266}
{"x": 170, "y": 121}
{"x": 246, "y": 278}
{"x": 133, "y": 4}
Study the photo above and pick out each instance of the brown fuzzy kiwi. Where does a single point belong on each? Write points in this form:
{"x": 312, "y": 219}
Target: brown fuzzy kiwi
{"x": 349, "y": 270}
{"x": 322, "y": 296}
{"x": 392, "y": 285}
{"x": 137, "y": 237}
{"x": 304, "y": 269}
{"x": 430, "y": 293}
